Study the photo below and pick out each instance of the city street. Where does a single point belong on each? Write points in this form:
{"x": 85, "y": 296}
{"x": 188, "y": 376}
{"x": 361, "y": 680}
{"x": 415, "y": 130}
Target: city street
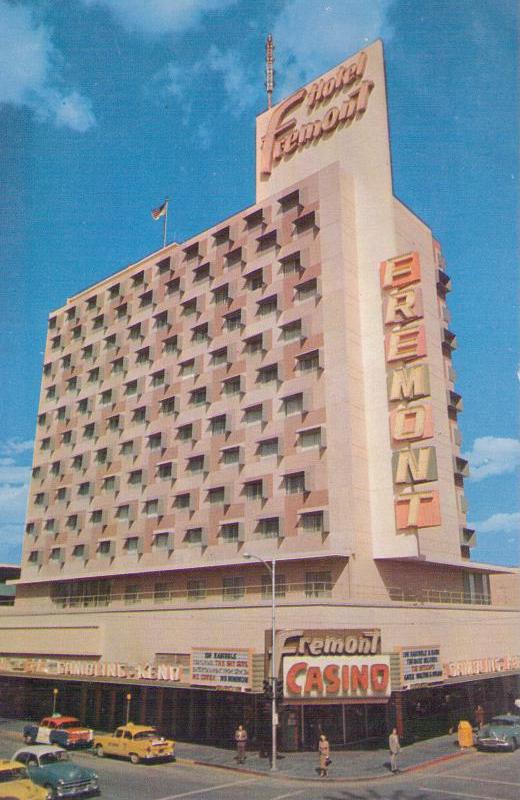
{"x": 477, "y": 776}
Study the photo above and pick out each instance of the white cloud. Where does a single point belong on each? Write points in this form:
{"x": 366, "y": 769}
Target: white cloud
{"x": 15, "y": 446}
{"x": 492, "y": 455}
{"x": 29, "y": 71}
{"x": 311, "y": 37}
{"x": 240, "y": 90}
{"x": 156, "y": 17}
{"x": 499, "y": 523}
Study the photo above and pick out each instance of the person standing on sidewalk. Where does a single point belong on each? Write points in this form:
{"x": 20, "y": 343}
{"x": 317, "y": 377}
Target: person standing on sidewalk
{"x": 241, "y": 742}
{"x": 395, "y": 748}
{"x": 480, "y": 716}
{"x": 324, "y": 751}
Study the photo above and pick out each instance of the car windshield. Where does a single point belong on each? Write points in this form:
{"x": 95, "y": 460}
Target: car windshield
{"x": 53, "y": 758}
{"x": 503, "y": 721}
{"x": 149, "y": 734}
{"x": 13, "y": 774}
{"x": 71, "y": 723}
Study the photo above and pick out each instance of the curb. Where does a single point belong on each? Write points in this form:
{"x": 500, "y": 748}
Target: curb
{"x": 311, "y": 779}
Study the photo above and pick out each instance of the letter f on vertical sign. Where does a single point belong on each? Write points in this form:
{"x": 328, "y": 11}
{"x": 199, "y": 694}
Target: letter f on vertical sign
{"x": 276, "y": 127}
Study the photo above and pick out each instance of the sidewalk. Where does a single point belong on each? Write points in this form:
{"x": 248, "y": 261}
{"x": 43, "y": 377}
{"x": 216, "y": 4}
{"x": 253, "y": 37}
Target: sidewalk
{"x": 346, "y": 764}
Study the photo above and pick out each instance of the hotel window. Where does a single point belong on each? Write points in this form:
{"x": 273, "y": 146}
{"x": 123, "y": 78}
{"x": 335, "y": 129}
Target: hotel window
{"x": 231, "y": 385}
{"x": 312, "y": 521}
{"x": 187, "y": 368}
{"x": 47, "y": 369}
{"x": 52, "y": 323}
{"x": 161, "y": 320}
{"x": 77, "y": 462}
{"x": 109, "y": 483}
{"x": 254, "y": 490}
{"x": 163, "y": 265}
{"x": 91, "y": 302}
{"x": 118, "y": 366}
{"x": 122, "y": 310}
{"x": 201, "y": 273}
{"x": 216, "y": 495}
{"x": 183, "y": 501}
{"x": 134, "y": 332}
{"x": 267, "y": 374}
{"x": 254, "y": 344}
{"x": 67, "y": 437}
{"x": 66, "y": 361}
{"x": 310, "y": 438}
{"x": 291, "y": 264}
{"x": 253, "y": 414}
{"x": 113, "y": 291}
{"x": 229, "y": 532}
{"x": 49, "y": 525}
{"x": 76, "y": 332}
{"x": 110, "y": 341}
{"x": 267, "y": 306}
{"x": 78, "y": 551}
{"x": 293, "y": 404}
{"x": 255, "y": 280}
{"x": 165, "y": 470}
{"x": 98, "y": 322}
{"x": 55, "y": 554}
{"x": 189, "y": 307}
{"x": 61, "y": 494}
{"x": 61, "y": 413}
{"x": 318, "y": 584}
{"x": 268, "y": 447}
{"x": 173, "y": 285}
{"x": 143, "y": 356}
{"x": 30, "y": 529}
{"x": 33, "y": 557}
{"x": 218, "y": 425}
{"x": 84, "y": 489}
{"x": 168, "y": 405}
{"x": 154, "y": 441}
{"x": 135, "y": 477}
{"x": 161, "y": 591}
{"x": 51, "y": 392}
{"x": 151, "y": 508}
{"x": 196, "y": 588}
{"x": 88, "y": 352}
{"x": 158, "y": 378}
{"x": 56, "y": 342}
{"x": 139, "y": 414}
{"x": 36, "y": 472}
{"x": 131, "y": 595}
{"x": 200, "y": 333}
{"x": 138, "y": 278}
{"x": 127, "y": 448}
{"x": 106, "y": 397}
{"x": 185, "y": 432}
{"x": 269, "y": 527}
{"x": 219, "y": 357}
{"x": 280, "y": 586}
{"x": 195, "y": 464}
{"x": 146, "y": 299}
{"x": 307, "y": 289}
{"x": 55, "y": 468}
{"x": 231, "y": 455}
{"x": 221, "y": 294}
{"x": 198, "y": 397}
{"x": 83, "y": 406}
{"x": 171, "y": 345}
{"x": 123, "y": 512}
{"x": 89, "y": 430}
{"x": 233, "y": 587}
{"x": 93, "y": 375}
{"x": 309, "y": 362}
{"x": 131, "y": 388}
{"x": 294, "y": 483}
{"x": 293, "y": 330}
{"x": 104, "y": 547}
{"x": 233, "y": 321}
{"x": 45, "y": 444}
{"x": 72, "y": 522}
{"x": 96, "y": 516}
{"x": 72, "y": 384}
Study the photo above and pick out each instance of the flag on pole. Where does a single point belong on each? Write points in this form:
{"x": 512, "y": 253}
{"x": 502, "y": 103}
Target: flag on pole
{"x": 160, "y": 211}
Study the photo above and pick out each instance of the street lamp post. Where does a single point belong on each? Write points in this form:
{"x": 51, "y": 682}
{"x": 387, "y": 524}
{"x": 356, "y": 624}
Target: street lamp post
{"x": 128, "y": 701}
{"x": 274, "y": 714}
{"x": 54, "y": 698}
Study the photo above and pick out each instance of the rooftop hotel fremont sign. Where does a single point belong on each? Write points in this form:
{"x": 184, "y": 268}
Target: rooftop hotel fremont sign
{"x": 285, "y": 134}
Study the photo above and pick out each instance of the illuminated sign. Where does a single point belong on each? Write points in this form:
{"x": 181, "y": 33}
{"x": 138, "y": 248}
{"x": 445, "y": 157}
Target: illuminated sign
{"x": 421, "y": 665}
{"x": 336, "y": 677}
{"x": 481, "y": 666}
{"x": 91, "y": 669}
{"x": 231, "y": 669}
{"x": 284, "y": 135}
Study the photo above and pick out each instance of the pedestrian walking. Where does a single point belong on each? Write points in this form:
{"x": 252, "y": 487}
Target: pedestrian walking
{"x": 241, "y": 742}
{"x": 395, "y": 748}
{"x": 480, "y": 716}
{"x": 324, "y": 751}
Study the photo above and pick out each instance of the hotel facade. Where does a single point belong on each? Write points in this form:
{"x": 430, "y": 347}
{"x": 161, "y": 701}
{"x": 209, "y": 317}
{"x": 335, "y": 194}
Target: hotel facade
{"x": 279, "y": 385}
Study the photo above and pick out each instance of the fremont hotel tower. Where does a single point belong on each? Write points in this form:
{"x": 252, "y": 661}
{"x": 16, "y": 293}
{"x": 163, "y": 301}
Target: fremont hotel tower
{"x": 280, "y": 384}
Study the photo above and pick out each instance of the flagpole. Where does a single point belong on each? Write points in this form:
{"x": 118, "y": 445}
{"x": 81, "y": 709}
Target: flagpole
{"x": 165, "y": 223}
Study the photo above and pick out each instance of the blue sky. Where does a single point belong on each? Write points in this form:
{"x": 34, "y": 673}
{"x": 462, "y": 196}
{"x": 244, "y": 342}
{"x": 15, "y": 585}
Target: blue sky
{"x": 107, "y": 106}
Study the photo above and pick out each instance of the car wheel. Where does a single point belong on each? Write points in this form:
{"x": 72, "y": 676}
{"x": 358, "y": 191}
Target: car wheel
{"x": 514, "y": 744}
{"x": 99, "y": 751}
{"x": 28, "y": 739}
{"x": 134, "y": 758}
{"x": 51, "y": 790}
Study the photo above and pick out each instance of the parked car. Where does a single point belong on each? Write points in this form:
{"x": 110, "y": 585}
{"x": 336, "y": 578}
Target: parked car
{"x": 136, "y": 742}
{"x": 51, "y": 767}
{"x": 501, "y": 733}
{"x": 59, "y": 730}
{"x": 15, "y": 783}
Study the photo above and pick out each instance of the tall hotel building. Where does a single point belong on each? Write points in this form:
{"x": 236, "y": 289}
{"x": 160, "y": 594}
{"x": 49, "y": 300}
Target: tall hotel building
{"x": 280, "y": 385}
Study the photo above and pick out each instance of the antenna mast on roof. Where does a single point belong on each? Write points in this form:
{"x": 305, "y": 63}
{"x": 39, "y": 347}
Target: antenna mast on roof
{"x": 269, "y": 69}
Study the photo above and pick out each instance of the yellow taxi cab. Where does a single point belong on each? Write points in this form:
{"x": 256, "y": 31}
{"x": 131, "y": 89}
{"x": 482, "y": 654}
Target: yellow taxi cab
{"x": 136, "y": 742}
{"x": 15, "y": 783}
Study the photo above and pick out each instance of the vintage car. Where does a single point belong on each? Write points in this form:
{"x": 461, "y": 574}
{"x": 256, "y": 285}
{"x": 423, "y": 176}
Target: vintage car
{"x": 501, "y": 733}
{"x": 136, "y": 742}
{"x": 15, "y": 783}
{"x": 59, "y": 730}
{"x": 51, "y": 767}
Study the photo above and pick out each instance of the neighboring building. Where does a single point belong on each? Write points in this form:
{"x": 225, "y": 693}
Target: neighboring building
{"x": 8, "y": 572}
{"x": 281, "y": 385}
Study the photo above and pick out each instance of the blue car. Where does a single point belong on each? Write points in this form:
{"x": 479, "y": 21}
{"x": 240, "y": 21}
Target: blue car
{"x": 51, "y": 767}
